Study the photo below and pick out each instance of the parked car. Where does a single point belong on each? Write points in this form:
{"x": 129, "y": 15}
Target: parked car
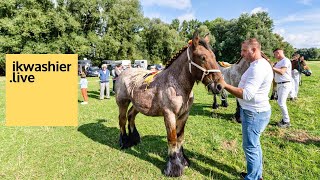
{"x": 93, "y": 71}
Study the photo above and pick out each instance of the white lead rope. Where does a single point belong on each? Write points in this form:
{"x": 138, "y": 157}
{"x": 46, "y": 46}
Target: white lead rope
{"x": 205, "y": 72}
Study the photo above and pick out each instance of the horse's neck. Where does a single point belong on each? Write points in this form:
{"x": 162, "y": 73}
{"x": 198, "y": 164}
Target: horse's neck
{"x": 242, "y": 66}
{"x": 178, "y": 71}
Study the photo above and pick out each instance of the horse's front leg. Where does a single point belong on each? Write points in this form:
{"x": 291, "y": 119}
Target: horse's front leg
{"x": 215, "y": 105}
{"x": 181, "y": 122}
{"x": 224, "y": 98}
{"x": 174, "y": 167}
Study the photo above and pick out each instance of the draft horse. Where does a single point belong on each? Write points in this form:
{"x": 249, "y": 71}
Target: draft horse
{"x": 232, "y": 75}
{"x": 169, "y": 95}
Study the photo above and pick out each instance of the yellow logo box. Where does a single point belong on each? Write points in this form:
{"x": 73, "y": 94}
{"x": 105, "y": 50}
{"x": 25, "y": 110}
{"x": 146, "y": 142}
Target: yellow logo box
{"x": 41, "y": 90}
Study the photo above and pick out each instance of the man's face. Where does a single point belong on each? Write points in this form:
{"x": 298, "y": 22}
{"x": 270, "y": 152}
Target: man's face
{"x": 247, "y": 52}
{"x": 277, "y": 54}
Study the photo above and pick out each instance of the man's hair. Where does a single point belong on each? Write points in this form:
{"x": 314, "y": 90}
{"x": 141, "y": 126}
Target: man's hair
{"x": 277, "y": 49}
{"x": 253, "y": 43}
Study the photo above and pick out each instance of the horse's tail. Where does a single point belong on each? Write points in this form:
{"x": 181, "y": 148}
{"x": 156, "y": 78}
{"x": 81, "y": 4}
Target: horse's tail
{"x": 266, "y": 58}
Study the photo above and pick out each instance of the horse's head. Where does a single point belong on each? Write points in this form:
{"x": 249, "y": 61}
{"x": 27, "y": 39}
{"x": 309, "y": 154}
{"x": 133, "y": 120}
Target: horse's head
{"x": 307, "y": 71}
{"x": 203, "y": 64}
{"x": 301, "y": 65}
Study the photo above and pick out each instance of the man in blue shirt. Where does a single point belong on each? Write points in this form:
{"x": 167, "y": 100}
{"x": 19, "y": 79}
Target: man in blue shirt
{"x": 104, "y": 75}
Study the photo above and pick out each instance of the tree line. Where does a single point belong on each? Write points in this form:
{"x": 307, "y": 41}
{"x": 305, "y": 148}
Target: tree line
{"x": 116, "y": 29}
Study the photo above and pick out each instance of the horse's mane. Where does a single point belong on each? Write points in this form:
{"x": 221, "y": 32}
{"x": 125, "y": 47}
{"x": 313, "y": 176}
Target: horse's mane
{"x": 176, "y": 56}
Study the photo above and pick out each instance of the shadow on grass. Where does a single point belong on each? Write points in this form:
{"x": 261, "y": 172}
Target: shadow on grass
{"x": 94, "y": 94}
{"x": 200, "y": 109}
{"x": 152, "y": 144}
{"x": 206, "y": 110}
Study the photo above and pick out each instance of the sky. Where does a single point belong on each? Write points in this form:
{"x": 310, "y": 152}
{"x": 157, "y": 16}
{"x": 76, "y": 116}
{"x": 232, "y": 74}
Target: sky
{"x": 297, "y": 21}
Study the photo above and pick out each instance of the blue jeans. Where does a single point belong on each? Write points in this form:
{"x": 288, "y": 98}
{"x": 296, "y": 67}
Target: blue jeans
{"x": 253, "y": 124}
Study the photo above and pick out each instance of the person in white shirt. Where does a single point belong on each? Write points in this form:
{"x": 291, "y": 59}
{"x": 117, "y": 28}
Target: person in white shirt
{"x": 83, "y": 87}
{"x": 255, "y": 110}
{"x": 283, "y": 78}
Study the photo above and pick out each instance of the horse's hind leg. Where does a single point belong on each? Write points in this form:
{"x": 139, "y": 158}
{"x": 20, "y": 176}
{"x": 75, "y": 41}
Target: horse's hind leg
{"x": 133, "y": 132}
{"x": 124, "y": 139}
{"x": 237, "y": 114}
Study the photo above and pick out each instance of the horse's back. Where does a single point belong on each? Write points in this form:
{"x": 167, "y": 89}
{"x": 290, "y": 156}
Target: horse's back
{"x": 127, "y": 80}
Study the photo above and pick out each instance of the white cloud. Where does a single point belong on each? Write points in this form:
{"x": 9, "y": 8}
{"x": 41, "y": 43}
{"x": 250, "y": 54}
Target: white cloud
{"x": 158, "y": 15}
{"x": 175, "y": 4}
{"x": 301, "y": 17}
{"x": 300, "y": 38}
{"x": 258, "y": 9}
{"x": 304, "y": 39}
{"x": 187, "y": 17}
{"x": 305, "y": 2}
{"x": 302, "y": 29}
{"x": 280, "y": 31}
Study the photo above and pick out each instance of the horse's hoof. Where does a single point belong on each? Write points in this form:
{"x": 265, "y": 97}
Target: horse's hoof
{"x": 184, "y": 159}
{"x": 124, "y": 142}
{"x": 215, "y": 106}
{"x": 224, "y": 104}
{"x": 174, "y": 166}
{"x": 134, "y": 137}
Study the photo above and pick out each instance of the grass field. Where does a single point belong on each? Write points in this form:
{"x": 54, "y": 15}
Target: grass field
{"x": 91, "y": 151}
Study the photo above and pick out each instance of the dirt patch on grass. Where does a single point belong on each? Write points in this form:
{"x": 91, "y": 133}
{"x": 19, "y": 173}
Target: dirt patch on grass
{"x": 301, "y": 137}
{"x": 275, "y": 132}
{"x": 229, "y": 145}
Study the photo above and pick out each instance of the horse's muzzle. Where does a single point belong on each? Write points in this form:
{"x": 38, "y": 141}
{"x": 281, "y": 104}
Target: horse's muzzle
{"x": 216, "y": 88}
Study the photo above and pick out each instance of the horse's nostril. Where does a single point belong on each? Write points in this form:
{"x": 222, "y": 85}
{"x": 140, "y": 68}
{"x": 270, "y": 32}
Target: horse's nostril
{"x": 219, "y": 87}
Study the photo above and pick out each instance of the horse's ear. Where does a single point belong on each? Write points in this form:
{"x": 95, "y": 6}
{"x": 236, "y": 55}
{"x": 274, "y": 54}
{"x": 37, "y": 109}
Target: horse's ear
{"x": 207, "y": 38}
{"x": 196, "y": 38}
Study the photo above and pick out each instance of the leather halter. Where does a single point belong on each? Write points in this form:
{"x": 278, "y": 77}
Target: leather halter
{"x": 205, "y": 71}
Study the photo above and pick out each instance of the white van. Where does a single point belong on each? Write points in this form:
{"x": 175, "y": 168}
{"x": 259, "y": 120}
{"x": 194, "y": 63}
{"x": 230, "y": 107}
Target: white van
{"x": 125, "y": 63}
{"x": 141, "y": 63}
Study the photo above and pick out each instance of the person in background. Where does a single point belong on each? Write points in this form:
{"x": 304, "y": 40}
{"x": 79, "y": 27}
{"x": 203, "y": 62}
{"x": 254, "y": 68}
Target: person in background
{"x": 283, "y": 78}
{"x": 296, "y": 76}
{"x": 153, "y": 69}
{"x": 255, "y": 110}
{"x": 104, "y": 75}
{"x": 84, "y": 87}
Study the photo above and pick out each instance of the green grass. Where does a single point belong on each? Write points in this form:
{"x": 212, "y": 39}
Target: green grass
{"x": 213, "y": 145}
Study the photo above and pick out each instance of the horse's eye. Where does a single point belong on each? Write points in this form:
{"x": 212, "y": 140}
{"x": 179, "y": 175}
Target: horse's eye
{"x": 203, "y": 58}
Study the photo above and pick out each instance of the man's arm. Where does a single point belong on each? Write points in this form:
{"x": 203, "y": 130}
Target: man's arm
{"x": 238, "y": 92}
{"x": 280, "y": 71}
